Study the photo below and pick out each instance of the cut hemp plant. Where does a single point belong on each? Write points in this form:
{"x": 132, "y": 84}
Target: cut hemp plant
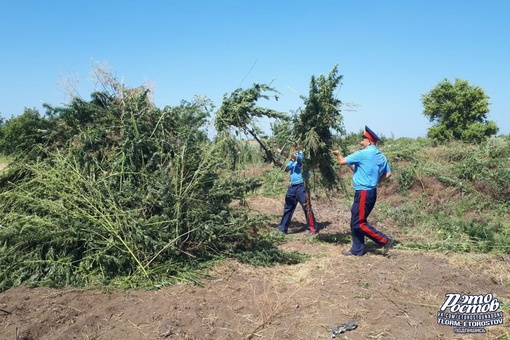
{"x": 239, "y": 109}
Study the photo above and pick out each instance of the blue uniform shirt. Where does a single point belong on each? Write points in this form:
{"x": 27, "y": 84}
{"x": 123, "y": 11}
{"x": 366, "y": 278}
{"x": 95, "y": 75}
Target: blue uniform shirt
{"x": 295, "y": 168}
{"x": 369, "y": 164}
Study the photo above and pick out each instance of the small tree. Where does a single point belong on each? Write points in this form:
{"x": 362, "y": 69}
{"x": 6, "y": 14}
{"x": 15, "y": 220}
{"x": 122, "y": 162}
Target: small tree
{"x": 458, "y": 111}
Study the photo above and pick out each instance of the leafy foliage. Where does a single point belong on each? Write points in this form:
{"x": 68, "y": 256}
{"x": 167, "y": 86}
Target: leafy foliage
{"x": 459, "y": 112}
{"x": 314, "y": 126}
{"x": 283, "y": 133}
{"x": 20, "y": 133}
{"x": 239, "y": 110}
{"x": 121, "y": 192}
{"x": 263, "y": 252}
{"x": 405, "y": 178}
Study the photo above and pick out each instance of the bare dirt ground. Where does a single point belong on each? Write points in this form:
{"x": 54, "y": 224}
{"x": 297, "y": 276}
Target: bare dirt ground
{"x": 390, "y": 297}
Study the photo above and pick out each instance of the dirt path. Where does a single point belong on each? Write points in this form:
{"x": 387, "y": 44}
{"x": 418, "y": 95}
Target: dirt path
{"x": 390, "y": 297}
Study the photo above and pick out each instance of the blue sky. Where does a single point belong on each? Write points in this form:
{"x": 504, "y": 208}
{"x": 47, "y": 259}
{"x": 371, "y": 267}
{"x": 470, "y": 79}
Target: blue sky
{"x": 389, "y": 52}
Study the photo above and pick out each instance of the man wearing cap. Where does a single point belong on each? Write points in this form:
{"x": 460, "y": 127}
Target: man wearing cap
{"x": 296, "y": 192}
{"x": 370, "y": 168}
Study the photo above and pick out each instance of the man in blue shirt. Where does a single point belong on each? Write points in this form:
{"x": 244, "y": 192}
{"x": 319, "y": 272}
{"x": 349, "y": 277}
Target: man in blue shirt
{"x": 370, "y": 168}
{"x": 296, "y": 192}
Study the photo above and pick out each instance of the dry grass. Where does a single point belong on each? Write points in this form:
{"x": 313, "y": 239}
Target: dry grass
{"x": 495, "y": 266}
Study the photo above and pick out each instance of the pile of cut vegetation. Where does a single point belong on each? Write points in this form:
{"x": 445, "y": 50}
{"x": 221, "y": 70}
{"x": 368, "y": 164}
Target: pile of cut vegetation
{"x": 116, "y": 191}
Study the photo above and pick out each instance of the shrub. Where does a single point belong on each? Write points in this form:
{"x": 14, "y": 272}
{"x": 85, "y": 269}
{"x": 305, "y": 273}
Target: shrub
{"x": 405, "y": 178}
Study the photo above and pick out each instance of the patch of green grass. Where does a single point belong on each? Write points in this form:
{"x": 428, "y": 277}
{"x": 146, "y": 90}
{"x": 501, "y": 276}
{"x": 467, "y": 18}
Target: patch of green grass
{"x": 460, "y": 207}
{"x": 504, "y": 305}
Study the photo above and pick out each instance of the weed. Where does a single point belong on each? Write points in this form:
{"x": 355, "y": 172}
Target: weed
{"x": 405, "y": 178}
{"x": 504, "y": 305}
{"x": 365, "y": 285}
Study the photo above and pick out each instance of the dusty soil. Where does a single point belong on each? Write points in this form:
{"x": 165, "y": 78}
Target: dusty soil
{"x": 390, "y": 297}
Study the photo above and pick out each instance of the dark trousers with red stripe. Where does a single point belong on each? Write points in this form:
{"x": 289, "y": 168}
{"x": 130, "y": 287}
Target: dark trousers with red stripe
{"x": 364, "y": 202}
{"x": 297, "y": 193}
